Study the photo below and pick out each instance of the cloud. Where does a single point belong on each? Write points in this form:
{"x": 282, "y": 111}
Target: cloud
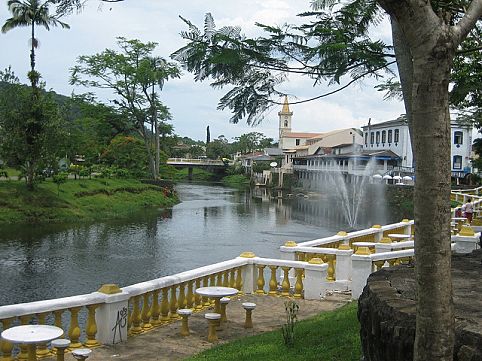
{"x": 193, "y": 105}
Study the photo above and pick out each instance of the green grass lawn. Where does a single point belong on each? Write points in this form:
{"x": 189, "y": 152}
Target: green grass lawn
{"x": 77, "y": 200}
{"x": 330, "y": 336}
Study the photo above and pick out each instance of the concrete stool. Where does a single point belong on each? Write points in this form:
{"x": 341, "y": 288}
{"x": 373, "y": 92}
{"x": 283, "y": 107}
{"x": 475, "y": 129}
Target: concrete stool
{"x": 184, "y": 313}
{"x": 249, "y": 307}
{"x": 213, "y": 319}
{"x": 60, "y": 345}
{"x": 224, "y": 302}
{"x": 81, "y": 353}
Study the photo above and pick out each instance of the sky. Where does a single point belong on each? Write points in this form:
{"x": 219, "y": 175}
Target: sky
{"x": 192, "y": 104}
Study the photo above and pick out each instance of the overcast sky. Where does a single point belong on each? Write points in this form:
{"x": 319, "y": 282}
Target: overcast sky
{"x": 193, "y": 105}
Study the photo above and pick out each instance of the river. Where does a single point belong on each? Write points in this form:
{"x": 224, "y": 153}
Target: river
{"x": 211, "y": 224}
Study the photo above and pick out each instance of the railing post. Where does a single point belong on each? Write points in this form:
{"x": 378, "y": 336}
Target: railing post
{"x": 361, "y": 268}
{"x": 378, "y": 236}
{"x": 466, "y": 241}
{"x": 343, "y": 270}
{"x": 111, "y": 316}
{"x": 315, "y": 279}
{"x": 408, "y": 228}
{"x": 248, "y": 274}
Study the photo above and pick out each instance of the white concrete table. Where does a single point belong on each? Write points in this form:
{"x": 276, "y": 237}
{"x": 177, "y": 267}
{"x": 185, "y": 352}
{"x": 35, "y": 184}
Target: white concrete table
{"x": 32, "y": 335}
{"x": 399, "y": 237}
{"x": 217, "y": 293}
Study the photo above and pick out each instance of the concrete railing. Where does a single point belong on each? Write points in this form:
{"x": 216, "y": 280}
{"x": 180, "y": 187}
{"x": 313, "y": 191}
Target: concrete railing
{"x": 113, "y": 313}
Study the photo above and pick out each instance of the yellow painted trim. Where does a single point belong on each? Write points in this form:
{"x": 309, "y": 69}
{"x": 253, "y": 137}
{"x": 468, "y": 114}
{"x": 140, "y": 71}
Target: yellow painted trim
{"x": 315, "y": 260}
{"x": 290, "y": 244}
{"x": 405, "y": 220}
{"x": 342, "y": 234}
{"x": 110, "y": 289}
{"x": 466, "y": 231}
{"x": 386, "y": 240}
{"x": 377, "y": 226}
{"x": 364, "y": 251}
{"x": 247, "y": 255}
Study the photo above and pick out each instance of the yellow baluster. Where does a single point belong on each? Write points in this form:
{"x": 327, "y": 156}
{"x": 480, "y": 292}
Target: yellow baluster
{"x": 182, "y": 296}
{"x": 74, "y": 329}
{"x": 155, "y": 309}
{"x": 190, "y": 296}
{"x": 239, "y": 280}
{"x": 212, "y": 283}
{"x": 136, "y": 316}
{"x": 299, "y": 283}
{"x": 42, "y": 350}
{"x": 285, "y": 285}
{"x": 129, "y": 317}
{"x": 146, "y": 312}
{"x": 205, "y": 300}
{"x": 173, "y": 304}
{"x": 379, "y": 264}
{"x": 91, "y": 327}
{"x": 232, "y": 278}
{"x": 226, "y": 279}
{"x": 260, "y": 281}
{"x": 58, "y": 318}
{"x": 330, "y": 272}
{"x": 5, "y": 346}
{"x": 165, "y": 305}
{"x": 219, "y": 278}
{"x": 392, "y": 262}
{"x": 273, "y": 283}
{"x": 23, "y": 355}
{"x": 197, "y": 298}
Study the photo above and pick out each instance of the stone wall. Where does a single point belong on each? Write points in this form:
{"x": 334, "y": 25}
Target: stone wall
{"x": 386, "y": 311}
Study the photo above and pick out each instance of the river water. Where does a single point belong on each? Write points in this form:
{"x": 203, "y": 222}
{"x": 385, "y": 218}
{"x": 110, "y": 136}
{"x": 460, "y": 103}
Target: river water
{"x": 211, "y": 224}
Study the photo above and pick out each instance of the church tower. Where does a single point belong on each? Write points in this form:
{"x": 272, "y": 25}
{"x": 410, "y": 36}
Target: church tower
{"x": 284, "y": 121}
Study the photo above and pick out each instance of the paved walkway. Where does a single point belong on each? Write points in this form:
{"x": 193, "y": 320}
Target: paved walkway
{"x": 164, "y": 343}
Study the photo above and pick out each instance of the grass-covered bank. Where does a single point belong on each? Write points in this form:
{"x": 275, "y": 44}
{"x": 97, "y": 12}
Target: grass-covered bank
{"x": 79, "y": 200}
{"x": 329, "y": 336}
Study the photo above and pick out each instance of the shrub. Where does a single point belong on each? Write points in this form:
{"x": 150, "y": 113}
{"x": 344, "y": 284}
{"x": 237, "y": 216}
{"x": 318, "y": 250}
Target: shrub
{"x": 288, "y": 329}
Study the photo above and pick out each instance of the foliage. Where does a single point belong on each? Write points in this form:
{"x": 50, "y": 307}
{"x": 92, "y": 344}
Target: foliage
{"x": 134, "y": 74}
{"x": 236, "y": 180}
{"x": 60, "y": 179}
{"x": 251, "y": 142}
{"x": 129, "y": 153}
{"x": 31, "y": 13}
{"x": 260, "y": 166}
{"x": 32, "y": 134}
{"x": 218, "y": 148}
{"x": 288, "y": 329}
{"x": 329, "y": 336}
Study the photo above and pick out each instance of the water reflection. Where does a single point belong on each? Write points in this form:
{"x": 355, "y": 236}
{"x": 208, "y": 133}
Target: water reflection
{"x": 212, "y": 224}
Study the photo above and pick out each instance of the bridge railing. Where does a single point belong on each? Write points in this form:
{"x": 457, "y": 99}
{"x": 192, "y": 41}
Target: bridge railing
{"x": 195, "y": 161}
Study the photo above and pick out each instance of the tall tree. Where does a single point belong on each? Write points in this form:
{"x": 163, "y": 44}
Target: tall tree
{"x": 338, "y": 44}
{"x": 135, "y": 77}
{"x": 31, "y": 13}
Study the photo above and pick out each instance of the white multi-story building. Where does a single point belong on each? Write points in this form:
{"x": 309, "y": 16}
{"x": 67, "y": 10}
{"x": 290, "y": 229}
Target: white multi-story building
{"x": 394, "y": 135}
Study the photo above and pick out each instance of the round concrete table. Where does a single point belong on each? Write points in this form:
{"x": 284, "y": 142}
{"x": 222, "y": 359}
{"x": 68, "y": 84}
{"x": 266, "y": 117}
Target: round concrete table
{"x": 217, "y": 293}
{"x": 32, "y": 335}
{"x": 399, "y": 237}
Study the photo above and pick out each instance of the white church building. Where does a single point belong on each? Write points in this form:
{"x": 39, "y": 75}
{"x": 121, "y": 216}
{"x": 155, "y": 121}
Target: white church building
{"x": 394, "y": 135}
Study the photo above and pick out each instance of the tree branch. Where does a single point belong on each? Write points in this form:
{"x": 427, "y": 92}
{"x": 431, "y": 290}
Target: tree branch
{"x": 473, "y": 13}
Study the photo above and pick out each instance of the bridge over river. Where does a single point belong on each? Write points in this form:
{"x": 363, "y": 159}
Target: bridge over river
{"x": 211, "y": 165}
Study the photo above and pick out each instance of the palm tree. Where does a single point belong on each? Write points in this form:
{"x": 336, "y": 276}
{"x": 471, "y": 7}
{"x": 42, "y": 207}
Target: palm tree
{"x": 31, "y": 13}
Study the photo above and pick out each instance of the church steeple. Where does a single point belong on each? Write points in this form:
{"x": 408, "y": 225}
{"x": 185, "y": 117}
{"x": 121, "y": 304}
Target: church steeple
{"x": 284, "y": 121}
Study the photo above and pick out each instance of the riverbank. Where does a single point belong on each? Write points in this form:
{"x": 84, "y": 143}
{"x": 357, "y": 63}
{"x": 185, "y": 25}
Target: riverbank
{"x": 79, "y": 200}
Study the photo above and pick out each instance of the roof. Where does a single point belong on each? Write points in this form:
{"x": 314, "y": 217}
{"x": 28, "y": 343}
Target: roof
{"x": 388, "y": 123}
{"x": 301, "y": 135}
{"x": 273, "y": 151}
{"x": 286, "y": 108}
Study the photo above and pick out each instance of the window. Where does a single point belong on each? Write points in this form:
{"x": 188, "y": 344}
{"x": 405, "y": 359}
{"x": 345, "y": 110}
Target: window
{"x": 366, "y": 139}
{"x": 457, "y": 162}
{"x": 458, "y": 138}
{"x": 372, "y": 138}
{"x": 378, "y": 137}
{"x": 396, "y": 136}
{"x": 297, "y": 142}
{"x": 390, "y": 136}
{"x": 384, "y": 136}
{"x": 286, "y": 124}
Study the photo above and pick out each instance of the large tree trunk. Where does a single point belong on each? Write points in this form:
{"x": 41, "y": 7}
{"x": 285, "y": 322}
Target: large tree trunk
{"x": 431, "y": 135}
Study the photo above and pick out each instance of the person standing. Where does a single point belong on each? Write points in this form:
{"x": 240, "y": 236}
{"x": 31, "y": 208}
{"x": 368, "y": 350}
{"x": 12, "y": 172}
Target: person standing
{"x": 469, "y": 210}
